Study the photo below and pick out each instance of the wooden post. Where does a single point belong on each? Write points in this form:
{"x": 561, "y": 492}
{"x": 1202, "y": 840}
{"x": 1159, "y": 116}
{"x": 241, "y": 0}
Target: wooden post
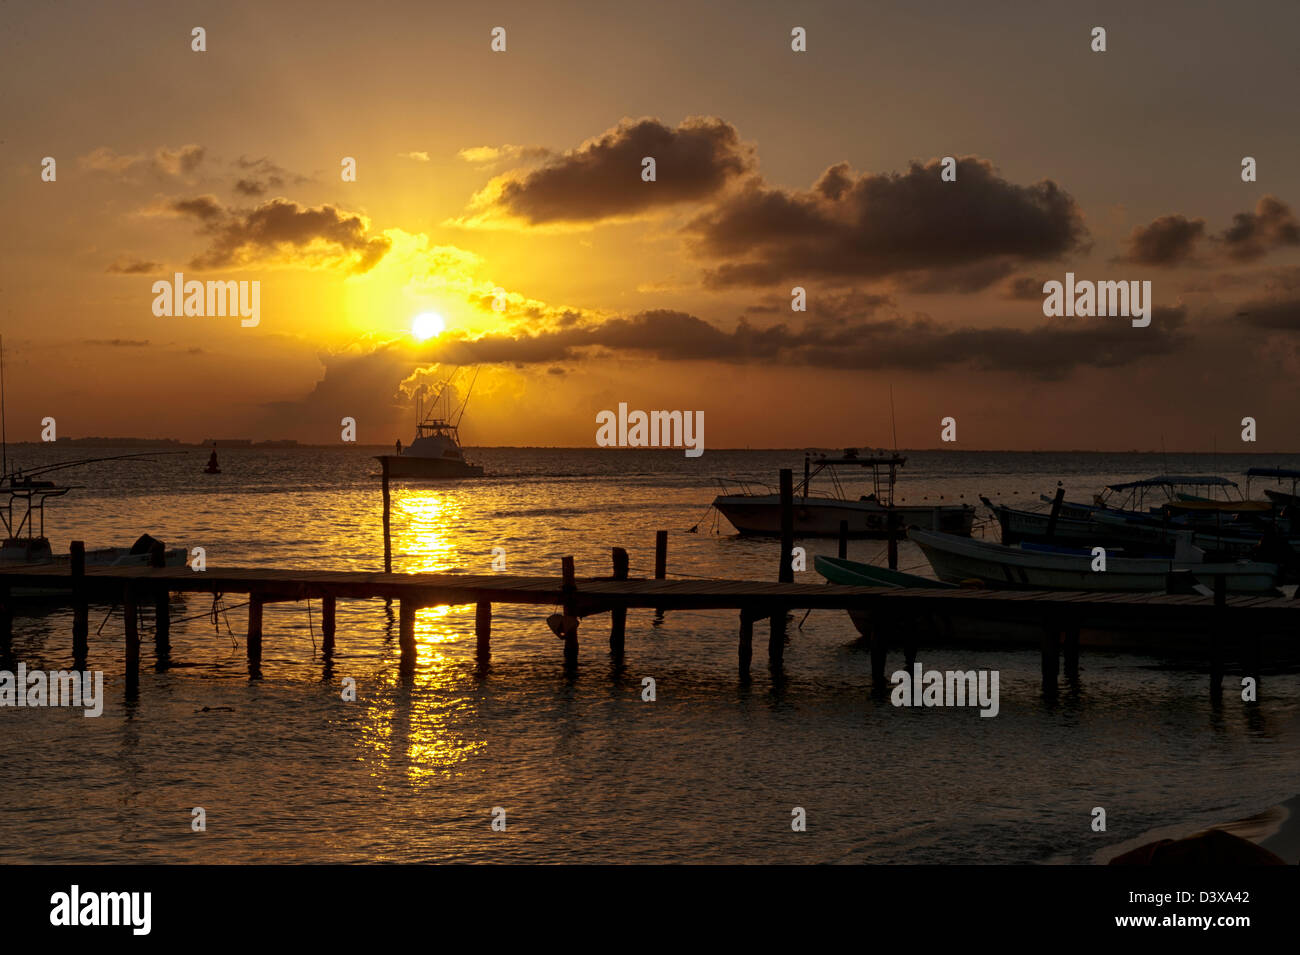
{"x": 162, "y": 613}
{"x": 1072, "y": 652}
{"x": 406, "y": 633}
{"x": 570, "y": 611}
{"x": 746, "y": 649}
{"x": 1216, "y": 636}
{"x": 661, "y": 562}
{"x": 483, "y": 629}
{"x": 891, "y": 521}
{"x": 327, "y": 624}
{"x": 80, "y": 606}
{"x": 130, "y": 617}
{"x": 388, "y": 540}
{"x": 1056, "y": 511}
{"x": 785, "y": 572}
{"x": 844, "y": 540}
{"x": 618, "y": 615}
{"x": 254, "y": 634}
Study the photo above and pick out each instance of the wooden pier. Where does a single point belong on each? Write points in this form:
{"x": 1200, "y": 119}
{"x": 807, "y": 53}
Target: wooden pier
{"x": 1228, "y": 624}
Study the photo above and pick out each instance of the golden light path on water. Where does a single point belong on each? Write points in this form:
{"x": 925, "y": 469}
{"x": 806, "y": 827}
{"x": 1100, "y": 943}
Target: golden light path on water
{"x": 421, "y": 739}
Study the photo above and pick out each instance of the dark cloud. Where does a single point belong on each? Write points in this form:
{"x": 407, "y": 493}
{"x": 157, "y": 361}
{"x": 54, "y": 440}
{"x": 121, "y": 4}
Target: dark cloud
{"x": 1254, "y": 234}
{"x": 1024, "y": 288}
{"x": 178, "y": 162}
{"x": 241, "y": 235}
{"x": 117, "y": 342}
{"x": 130, "y": 266}
{"x": 832, "y": 306}
{"x": 1168, "y": 240}
{"x": 259, "y": 176}
{"x": 249, "y": 187}
{"x": 851, "y": 227}
{"x": 601, "y": 179}
{"x": 1275, "y": 315}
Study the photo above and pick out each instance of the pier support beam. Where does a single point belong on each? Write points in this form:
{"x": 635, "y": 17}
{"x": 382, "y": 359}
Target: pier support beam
{"x": 162, "y": 613}
{"x": 130, "y": 617}
{"x": 80, "y": 606}
{"x": 254, "y": 642}
{"x": 483, "y": 630}
{"x": 570, "y": 610}
{"x": 327, "y": 625}
{"x": 406, "y": 633}
{"x": 618, "y": 615}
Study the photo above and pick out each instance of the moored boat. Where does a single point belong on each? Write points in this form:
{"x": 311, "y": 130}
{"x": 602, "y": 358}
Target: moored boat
{"x": 1043, "y": 567}
{"x": 759, "y": 513}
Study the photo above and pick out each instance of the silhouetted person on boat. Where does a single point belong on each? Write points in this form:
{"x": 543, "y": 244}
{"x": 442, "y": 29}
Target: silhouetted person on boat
{"x": 399, "y": 445}
{"x": 213, "y": 467}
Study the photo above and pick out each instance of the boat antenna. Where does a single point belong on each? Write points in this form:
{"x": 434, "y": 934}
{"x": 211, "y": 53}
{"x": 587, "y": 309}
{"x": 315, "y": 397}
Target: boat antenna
{"x": 892, "y": 423}
{"x": 470, "y": 391}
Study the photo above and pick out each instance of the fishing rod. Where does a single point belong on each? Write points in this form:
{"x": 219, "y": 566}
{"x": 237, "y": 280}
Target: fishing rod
{"x": 465, "y": 403}
{"x": 72, "y": 464}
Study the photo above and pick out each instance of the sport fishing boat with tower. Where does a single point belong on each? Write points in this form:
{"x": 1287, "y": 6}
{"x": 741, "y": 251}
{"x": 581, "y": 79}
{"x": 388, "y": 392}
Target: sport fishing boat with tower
{"x": 435, "y": 452}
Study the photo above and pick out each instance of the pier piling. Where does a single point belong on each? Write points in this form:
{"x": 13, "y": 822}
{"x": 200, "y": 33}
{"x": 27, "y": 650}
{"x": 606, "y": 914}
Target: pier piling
{"x": 80, "y": 605}
{"x": 1072, "y": 652}
{"x": 162, "y": 613}
{"x": 880, "y": 633}
{"x": 254, "y": 642}
{"x": 618, "y": 615}
{"x": 1216, "y": 637}
{"x": 570, "y": 611}
{"x": 406, "y": 633}
{"x": 388, "y": 540}
{"x": 1051, "y": 656}
{"x": 483, "y": 630}
{"x": 746, "y": 649}
{"x": 327, "y": 625}
{"x": 130, "y": 617}
{"x": 785, "y": 571}
{"x": 6, "y": 622}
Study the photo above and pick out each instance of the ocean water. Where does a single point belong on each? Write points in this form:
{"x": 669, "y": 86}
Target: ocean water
{"x": 586, "y": 771}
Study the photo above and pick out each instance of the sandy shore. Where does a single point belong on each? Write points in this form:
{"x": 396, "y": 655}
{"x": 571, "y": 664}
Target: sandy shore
{"x": 1276, "y": 829}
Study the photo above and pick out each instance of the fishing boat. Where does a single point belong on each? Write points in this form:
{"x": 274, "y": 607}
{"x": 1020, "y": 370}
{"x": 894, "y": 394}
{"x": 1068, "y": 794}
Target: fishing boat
{"x": 1029, "y": 566}
{"x": 435, "y": 453}
{"x": 1280, "y": 499}
{"x": 852, "y": 573}
{"x": 758, "y": 512}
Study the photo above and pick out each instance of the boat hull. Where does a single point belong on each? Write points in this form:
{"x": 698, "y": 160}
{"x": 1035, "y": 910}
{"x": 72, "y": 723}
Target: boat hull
{"x": 412, "y": 466}
{"x": 760, "y": 514}
{"x": 959, "y": 560}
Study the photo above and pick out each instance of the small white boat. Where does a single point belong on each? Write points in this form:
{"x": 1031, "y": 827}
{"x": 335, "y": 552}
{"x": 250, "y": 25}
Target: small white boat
{"x": 820, "y": 516}
{"x": 1041, "y": 567}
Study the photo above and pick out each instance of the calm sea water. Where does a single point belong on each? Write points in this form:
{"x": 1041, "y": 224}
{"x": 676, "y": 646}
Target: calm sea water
{"x": 586, "y": 772}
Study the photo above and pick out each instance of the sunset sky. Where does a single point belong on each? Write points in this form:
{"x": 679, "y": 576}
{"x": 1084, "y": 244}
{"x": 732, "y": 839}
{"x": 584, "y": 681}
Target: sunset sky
{"x": 775, "y": 169}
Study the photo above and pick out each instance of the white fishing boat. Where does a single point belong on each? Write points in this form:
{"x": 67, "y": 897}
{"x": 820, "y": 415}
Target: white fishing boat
{"x": 1042, "y": 567}
{"x": 435, "y": 453}
{"x": 758, "y": 512}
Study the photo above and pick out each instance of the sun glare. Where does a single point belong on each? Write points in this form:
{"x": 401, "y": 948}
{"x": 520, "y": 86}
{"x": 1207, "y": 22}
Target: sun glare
{"x": 426, "y": 325}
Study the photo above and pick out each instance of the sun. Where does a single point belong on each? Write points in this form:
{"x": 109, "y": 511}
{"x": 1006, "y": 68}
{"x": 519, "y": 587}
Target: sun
{"x": 426, "y": 325}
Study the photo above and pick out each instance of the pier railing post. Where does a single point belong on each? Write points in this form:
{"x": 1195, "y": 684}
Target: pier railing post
{"x": 162, "y": 614}
{"x": 661, "y": 562}
{"x": 618, "y": 615}
{"x": 570, "y": 612}
{"x": 80, "y": 605}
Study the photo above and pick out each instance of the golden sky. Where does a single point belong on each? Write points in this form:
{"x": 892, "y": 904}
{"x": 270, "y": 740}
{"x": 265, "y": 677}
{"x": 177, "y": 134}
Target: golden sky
{"x": 521, "y": 170}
